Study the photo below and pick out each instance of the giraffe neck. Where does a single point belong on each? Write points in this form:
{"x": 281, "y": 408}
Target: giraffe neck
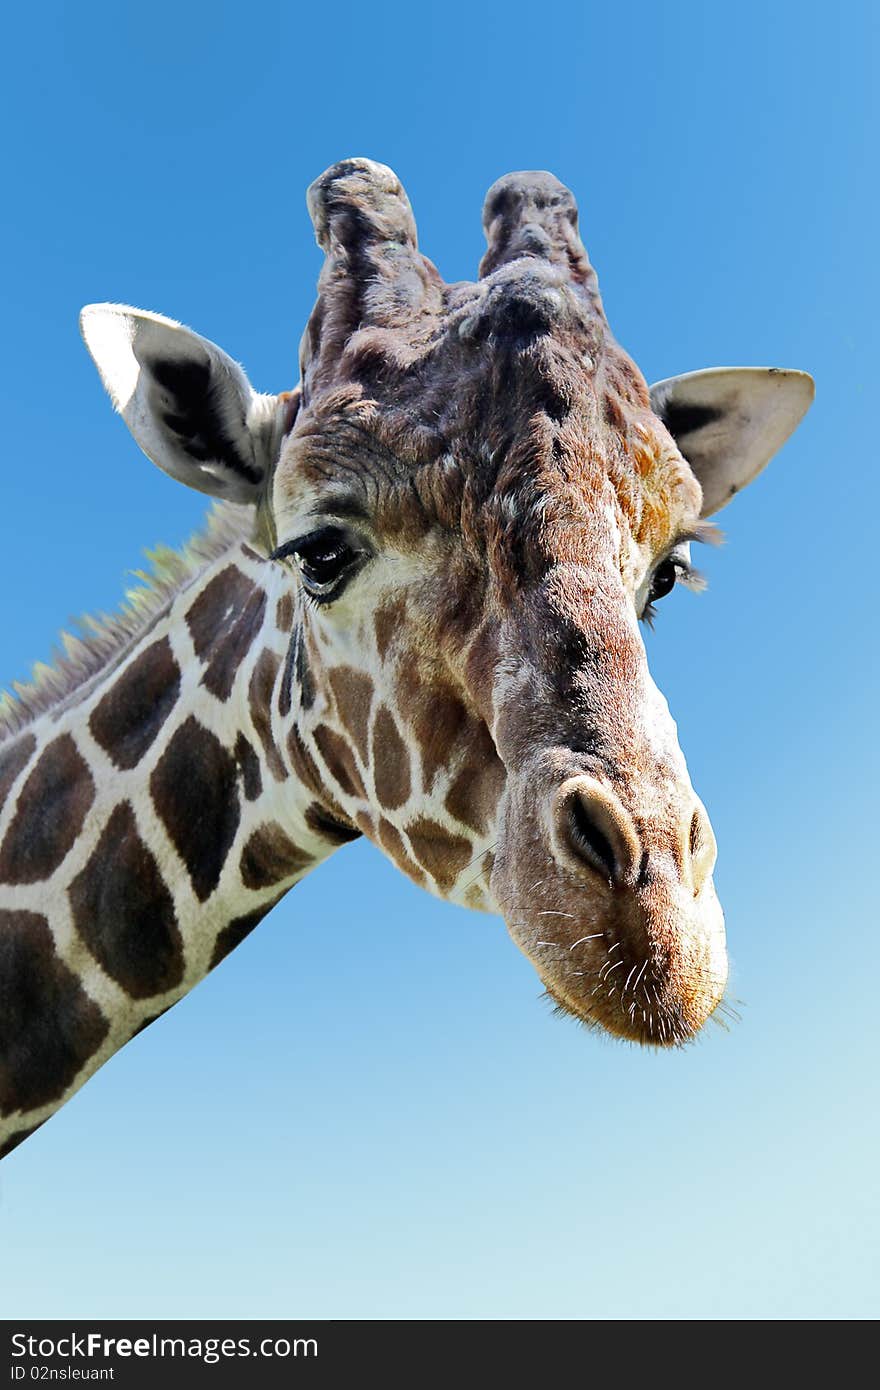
{"x": 148, "y": 821}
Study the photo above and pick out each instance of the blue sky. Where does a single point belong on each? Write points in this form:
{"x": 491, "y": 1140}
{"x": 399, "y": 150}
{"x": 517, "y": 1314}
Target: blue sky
{"x": 367, "y": 1111}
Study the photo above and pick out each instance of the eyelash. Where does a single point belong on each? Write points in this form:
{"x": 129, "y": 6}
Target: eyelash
{"x": 329, "y": 544}
{"x": 686, "y": 574}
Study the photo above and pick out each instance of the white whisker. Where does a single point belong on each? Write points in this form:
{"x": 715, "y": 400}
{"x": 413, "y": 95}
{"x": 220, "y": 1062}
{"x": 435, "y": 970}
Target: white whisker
{"x": 595, "y": 937}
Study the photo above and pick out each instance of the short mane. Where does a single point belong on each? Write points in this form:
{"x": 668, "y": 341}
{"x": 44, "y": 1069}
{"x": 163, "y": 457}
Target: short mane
{"x": 104, "y": 639}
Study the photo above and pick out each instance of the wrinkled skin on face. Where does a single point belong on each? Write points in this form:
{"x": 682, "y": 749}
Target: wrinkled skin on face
{"x": 477, "y": 687}
{"x": 463, "y": 512}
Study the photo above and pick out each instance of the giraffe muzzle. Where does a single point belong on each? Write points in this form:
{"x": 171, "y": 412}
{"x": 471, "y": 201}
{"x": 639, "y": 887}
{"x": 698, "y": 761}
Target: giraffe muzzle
{"x": 616, "y": 909}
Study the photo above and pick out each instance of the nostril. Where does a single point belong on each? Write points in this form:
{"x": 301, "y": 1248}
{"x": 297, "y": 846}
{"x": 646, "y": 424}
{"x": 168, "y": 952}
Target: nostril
{"x": 589, "y": 841}
{"x": 701, "y": 849}
{"x": 591, "y": 826}
{"x": 695, "y": 841}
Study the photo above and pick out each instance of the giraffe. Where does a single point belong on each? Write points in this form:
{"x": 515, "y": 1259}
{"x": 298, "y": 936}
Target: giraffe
{"x": 414, "y": 615}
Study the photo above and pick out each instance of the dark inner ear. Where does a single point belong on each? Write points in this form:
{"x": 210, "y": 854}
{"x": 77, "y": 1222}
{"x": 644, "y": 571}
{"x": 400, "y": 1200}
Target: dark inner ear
{"x": 682, "y": 418}
{"x": 187, "y": 395}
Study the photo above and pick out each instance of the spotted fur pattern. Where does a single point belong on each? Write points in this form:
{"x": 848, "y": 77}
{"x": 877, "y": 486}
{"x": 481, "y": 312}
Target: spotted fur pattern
{"x": 476, "y": 702}
{"x": 149, "y": 824}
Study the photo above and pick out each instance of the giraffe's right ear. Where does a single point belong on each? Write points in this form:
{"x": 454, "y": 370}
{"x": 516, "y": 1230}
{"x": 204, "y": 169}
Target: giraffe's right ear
{"x": 189, "y": 406}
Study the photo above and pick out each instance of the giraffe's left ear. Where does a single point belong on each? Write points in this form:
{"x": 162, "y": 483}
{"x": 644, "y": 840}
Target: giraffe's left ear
{"x": 728, "y": 422}
{"x": 189, "y": 406}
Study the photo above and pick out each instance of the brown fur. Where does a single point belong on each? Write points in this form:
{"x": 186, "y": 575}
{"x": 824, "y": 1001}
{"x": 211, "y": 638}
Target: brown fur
{"x": 194, "y": 789}
{"x": 501, "y": 444}
{"x": 443, "y": 855}
{"x": 391, "y": 762}
{"x": 127, "y": 918}
{"x": 262, "y": 685}
{"x": 49, "y": 814}
{"x": 235, "y": 932}
{"x": 14, "y": 757}
{"x": 270, "y": 856}
{"x": 129, "y": 717}
{"x": 352, "y": 692}
{"x": 48, "y": 1025}
{"x": 477, "y": 702}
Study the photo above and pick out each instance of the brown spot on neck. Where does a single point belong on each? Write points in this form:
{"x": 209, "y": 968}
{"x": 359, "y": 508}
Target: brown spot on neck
{"x": 443, "y": 855}
{"x": 52, "y": 806}
{"x": 249, "y": 767}
{"x": 339, "y": 761}
{"x": 270, "y": 856}
{"x": 126, "y": 721}
{"x": 391, "y": 762}
{"x": 284, "y": 613}
{"x": 260, "y": 691}
{"x": 14, "y": 757}
{"x": 329, "y": 827}
{"x": 223, "y": 622}
{"x": 393, "y": 844}
{"x": 124, "y": 912}
{"x": 195, "y": 790}
{"x": 235, "y": 932}
{"x": 49, "y": 1027}
{"x": 353, "y": 694}
{"x": 305, "y": 768}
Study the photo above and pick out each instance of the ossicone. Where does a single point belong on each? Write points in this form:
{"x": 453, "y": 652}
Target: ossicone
{"x": 532, "y": 214}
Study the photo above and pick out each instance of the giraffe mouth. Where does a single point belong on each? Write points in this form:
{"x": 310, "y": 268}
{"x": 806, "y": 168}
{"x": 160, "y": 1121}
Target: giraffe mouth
{"x": 606, "y": 853}
{"x": 651, "y": 970}
{"x": 651, "y": 1012}
{"x": 626, "y": 936}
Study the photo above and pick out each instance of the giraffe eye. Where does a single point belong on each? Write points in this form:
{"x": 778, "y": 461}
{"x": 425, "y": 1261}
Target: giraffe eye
{"x": 676, "y": 568}
{"x": 664, "y": 580}
{"x": 326, "y": 560}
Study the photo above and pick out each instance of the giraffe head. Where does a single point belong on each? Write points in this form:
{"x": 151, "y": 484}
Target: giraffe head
{"x": 471, "y": 502}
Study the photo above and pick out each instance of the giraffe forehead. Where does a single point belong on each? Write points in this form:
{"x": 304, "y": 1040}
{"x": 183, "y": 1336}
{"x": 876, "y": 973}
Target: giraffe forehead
{"x": 518, "y": 487}
{"x": 511, "y": 432}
